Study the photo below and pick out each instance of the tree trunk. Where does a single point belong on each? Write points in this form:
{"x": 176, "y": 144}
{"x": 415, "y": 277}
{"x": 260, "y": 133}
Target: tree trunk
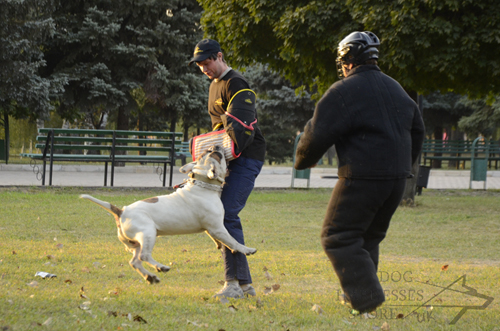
{"x": 7, "y": 136}
{"x": 438, "y": 135}
{"x": 411, "y": 183}
{"x": 173, "y": 122}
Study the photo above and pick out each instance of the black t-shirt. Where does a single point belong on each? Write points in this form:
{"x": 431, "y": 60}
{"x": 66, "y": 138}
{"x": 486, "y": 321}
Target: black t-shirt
{"x": 221, "y": 92}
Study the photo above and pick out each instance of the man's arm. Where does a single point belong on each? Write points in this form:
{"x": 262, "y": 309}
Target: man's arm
{"x": 323, "y": 130}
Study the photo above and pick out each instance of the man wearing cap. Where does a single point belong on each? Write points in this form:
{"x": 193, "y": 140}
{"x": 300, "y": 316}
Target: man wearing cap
{"x": 243, "y": 170}
{"x": 377, "y": 130}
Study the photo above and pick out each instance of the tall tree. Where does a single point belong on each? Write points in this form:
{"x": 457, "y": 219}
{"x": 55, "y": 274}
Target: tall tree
{"x": 426, "y": 45}
{"x": 441, "y": 115}
{"x": 282, "y": 110}
{"x": 24, "y": 26}
{"x": 430, "y": 45}
{"x": 485, "y": 119}
{"x": 107, "y": 49}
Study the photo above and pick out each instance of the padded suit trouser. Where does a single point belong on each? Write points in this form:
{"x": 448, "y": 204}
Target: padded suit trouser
{"x": 356, "y": 221}
{"x": 239, "y": 184}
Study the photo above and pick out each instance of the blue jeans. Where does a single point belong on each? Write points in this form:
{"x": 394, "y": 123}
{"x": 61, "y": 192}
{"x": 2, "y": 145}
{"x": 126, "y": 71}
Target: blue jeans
{"x": 239, "y": 184}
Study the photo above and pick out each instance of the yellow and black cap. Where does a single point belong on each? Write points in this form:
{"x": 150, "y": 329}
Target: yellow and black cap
{"x": 204, "y": 49}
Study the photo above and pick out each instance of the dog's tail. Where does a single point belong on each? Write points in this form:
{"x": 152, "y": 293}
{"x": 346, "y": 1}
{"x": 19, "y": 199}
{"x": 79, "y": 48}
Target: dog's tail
{"x": 117, "y": 212}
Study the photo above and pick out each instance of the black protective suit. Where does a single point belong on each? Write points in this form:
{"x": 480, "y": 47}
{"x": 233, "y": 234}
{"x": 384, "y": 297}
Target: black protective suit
{"x": 378, "y": 132}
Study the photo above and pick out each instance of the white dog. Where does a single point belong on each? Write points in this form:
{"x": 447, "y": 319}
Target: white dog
{"x": 194, "y": 208}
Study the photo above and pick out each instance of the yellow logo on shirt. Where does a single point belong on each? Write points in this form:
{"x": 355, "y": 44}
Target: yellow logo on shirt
{"x": 219, "y": 102}
{"x": 248, "y": 101}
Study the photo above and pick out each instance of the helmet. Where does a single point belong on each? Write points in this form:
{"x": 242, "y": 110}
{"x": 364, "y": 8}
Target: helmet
{"x": 356, "y": 48}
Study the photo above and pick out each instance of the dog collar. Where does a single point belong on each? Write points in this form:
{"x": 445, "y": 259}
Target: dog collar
{"x": 200, "y": 183}
{"x": 205, "y": 179}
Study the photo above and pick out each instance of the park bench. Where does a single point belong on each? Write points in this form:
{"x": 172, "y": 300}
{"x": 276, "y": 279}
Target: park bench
{"x": 459, "y": 152}
{"x": 106, "y": 146}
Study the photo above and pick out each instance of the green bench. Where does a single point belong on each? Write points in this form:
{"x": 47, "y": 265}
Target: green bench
{"x": 458, "y": 151}
{"x": 106, "y": 146}
{"x": 183, "y": 152}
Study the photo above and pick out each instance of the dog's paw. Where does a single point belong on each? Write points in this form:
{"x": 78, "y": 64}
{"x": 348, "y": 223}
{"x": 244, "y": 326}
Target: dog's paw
{"x": 152, "y": 279}
{"x": 162, "y": 268}
{"x": 250, "y": 251}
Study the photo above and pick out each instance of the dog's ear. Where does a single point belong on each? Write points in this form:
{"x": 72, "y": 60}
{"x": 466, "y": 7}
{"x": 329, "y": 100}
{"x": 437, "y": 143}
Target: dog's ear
{"x": 187, "y": 168}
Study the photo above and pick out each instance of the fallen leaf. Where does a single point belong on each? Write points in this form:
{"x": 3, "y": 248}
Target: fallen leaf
{"x": 385, "y": 326}
{"x": 121, "y": 275}
{"x": 184, "y": 250}
{"x": 48, "y": 321}
{"x": 444, "y": 268}
{"x": 268, "y": 275}
{"x": 276, "y": 287}
{"x": 221, "y": 282}
{"x": 51, "y": 257}
{"x": 33, "y": 284}
{"x": 265, "y": 268}
{"x": 232, "y": 308}
{"x": 83, "y": 296}
{"x": 85, "y": 269}
{"x": 138, "y": 318}
{"x": 400, "y": 316}
{"x": 14, "y": 253}
{"x": 317, "y": 309}
{"x": 60, "y": 246}
{"x": 193, "y": 323}
{"x": 112, "y": 313}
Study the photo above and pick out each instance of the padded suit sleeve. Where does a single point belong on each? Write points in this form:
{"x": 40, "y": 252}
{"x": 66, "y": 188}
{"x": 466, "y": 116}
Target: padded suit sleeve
{"x": 329, "y": 122}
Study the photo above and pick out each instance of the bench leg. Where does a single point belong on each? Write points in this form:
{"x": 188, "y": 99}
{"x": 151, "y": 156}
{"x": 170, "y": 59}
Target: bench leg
{"x": 43, "y": 174}
{"x": 164, "y": 173}
{"x": 105, "y": 173}
{"x": 112, "y": 173}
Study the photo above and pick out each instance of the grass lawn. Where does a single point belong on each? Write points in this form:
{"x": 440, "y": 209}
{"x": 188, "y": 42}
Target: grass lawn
{"x": 440, "y": 267}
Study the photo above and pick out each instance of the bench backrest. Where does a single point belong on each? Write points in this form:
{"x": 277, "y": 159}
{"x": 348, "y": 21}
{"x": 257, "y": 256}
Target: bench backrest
{"x": 455, "y": 146}
{"x": 108, "y": 140}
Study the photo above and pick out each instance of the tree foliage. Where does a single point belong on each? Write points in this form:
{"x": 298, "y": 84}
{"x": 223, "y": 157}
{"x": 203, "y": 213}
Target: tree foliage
{"x": 106, "y": 49}
{"x": 485, "y": 119}
{"x": 282, "y": 112}
{"x": 24, "y": 26}
{"x": 443, "y": 111}
{"x": 430, "y": 45}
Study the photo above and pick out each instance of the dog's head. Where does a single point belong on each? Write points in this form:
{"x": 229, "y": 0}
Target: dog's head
{"x": 211, "y": 164}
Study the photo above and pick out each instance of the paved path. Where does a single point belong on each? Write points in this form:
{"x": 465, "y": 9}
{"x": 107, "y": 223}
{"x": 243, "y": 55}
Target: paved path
{"x": 270, "y": 177}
